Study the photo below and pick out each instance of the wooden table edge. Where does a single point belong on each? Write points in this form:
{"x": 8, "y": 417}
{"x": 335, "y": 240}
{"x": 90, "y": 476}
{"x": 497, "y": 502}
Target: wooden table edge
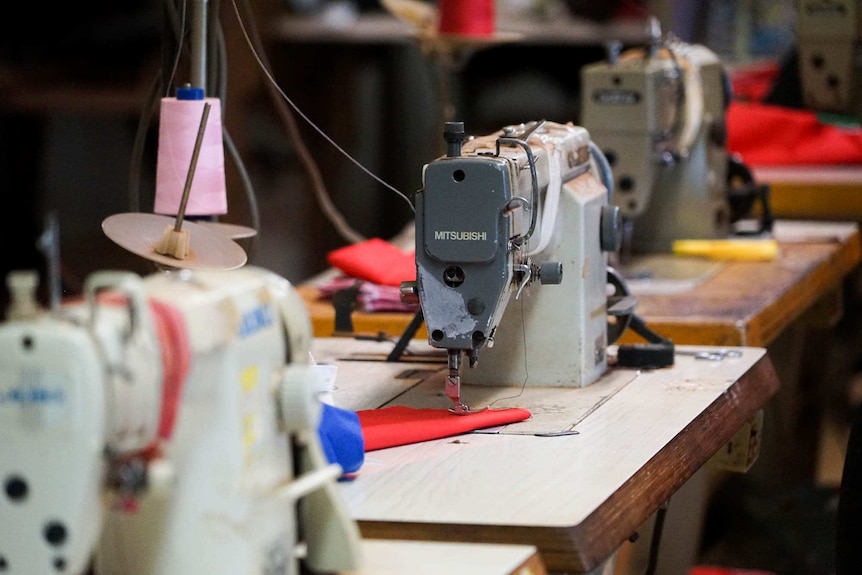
{"x": 585, "y": 546}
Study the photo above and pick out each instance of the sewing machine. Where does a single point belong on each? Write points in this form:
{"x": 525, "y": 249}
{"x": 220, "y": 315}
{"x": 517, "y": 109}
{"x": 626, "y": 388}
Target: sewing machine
{"x": 495, "y": 216}
{"x": 165, "y": 425}
{"x": 828, "y": 34}
{"x": 657, "y": 113}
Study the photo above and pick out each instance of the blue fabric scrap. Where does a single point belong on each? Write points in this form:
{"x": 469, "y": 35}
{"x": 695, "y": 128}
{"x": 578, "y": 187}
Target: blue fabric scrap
{"x": 341, "y": 437}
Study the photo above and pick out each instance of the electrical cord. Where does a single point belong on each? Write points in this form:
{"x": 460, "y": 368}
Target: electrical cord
{"x": 137, "y": 160}
{"x": 306, "y": 159}
{"x": 655, "y": 541}
{"x": 280, "y": 98}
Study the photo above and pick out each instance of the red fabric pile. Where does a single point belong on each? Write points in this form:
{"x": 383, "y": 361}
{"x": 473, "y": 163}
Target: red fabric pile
{"x": 769, "y": 135}
{"x": 381, "y": 267}
{"x": 766, "y": 135}
{"x": 375, "y": 260}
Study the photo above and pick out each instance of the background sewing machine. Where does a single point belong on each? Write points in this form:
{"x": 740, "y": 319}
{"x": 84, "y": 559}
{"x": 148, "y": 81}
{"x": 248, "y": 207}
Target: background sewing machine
{"x": 829, "y": 66}
{"x": 495, "y": 215}
{"x": 165, "y": 425}
{"x": 658, "y": 114}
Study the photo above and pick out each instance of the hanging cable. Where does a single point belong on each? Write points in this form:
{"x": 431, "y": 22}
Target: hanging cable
{"x": 280, "y": 98}
{"x": 655, "y": 542}
{"x": 306, "y": 159}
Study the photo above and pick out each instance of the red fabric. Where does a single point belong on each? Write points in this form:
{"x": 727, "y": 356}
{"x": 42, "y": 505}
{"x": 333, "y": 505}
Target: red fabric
{"x": 754, "y": 82}
{"x": 399, "y": 425}
{"x": 773, "y": 135}
{"x": 375, "y": 260}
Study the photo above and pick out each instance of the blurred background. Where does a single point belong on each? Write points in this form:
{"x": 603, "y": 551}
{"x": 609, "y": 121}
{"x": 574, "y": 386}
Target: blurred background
{"x": 78, "y": 140}
{"x": 75, "y": 82}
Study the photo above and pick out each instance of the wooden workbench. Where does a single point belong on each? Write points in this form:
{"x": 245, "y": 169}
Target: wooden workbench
{"x": 743, "y": 303}
{"x": 818, "y": 192}
{"x": 765, "y": 304}
{"x": 576, "y": 498}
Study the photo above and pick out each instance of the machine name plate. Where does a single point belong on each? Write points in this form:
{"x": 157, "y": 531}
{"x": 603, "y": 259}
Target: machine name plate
{"x": 256, "y": 319}
{"x": 622, "y": 97}
{"x": 460, "y": 236}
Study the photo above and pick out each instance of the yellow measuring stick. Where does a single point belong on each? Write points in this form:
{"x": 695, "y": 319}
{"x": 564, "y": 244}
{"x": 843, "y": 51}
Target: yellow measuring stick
{"x": 748, "y": 249}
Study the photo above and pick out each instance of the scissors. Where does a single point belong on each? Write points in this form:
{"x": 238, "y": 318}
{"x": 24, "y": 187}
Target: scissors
{"x": 713, "y": 354}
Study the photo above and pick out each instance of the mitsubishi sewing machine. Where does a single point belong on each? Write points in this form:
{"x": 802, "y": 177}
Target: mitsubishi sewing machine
{"x": 497, "y": 215}
{"x": 165, "y": 425}
{"x": 658, "y": 114}
{"x": 828, "y": 36}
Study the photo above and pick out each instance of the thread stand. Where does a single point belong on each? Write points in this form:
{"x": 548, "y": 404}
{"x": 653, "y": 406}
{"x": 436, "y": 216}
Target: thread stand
{"x": 175, "y": 240}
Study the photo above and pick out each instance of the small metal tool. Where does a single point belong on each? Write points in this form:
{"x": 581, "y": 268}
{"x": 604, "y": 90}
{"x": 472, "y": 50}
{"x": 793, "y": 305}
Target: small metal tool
{"x": 711, "y": 355}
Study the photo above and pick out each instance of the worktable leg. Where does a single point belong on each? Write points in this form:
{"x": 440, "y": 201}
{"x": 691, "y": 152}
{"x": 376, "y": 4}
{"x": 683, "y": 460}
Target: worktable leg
{"x": 775, "y": 517}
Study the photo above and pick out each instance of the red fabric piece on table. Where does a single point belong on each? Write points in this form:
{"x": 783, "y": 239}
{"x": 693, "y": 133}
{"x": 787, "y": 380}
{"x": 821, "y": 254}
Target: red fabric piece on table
{"x": 375, "y": 260}
{"x": 400, "y": 425}
{"x": 767, "y": 135}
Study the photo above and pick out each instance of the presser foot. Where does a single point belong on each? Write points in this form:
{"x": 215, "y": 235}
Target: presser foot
{"x": 460, "y": 409}
{"x": 453, "y": 392}
{"x": 464, "y": 409}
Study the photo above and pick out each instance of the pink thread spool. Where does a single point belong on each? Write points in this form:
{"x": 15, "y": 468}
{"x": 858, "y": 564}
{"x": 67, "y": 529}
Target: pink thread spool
{"x": 179, "y": 123}
{"x": 466, "y": 17}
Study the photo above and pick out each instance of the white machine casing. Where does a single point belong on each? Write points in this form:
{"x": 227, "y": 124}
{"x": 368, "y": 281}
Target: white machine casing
{"x": 557, "y": 334}
{"x": 830, "y": 55}
{"x": 52, "y": 437}
{"x": 658, "y": 114}
{"x": 241, "y": 484}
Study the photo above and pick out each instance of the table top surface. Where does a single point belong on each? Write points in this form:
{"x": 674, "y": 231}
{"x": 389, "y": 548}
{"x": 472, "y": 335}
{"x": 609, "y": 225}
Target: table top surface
{"x": 751, "y": 303}
{"x": 849, "y": 175}
{"x": 576, "y": 497}
{"x": 739, "y": 303}
{"x": 820, "y": 192}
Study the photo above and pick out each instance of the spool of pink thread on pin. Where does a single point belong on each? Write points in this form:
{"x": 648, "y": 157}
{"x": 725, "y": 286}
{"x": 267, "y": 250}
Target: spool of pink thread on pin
{"x": 178, "y": 126}
{"x": 473, "y": 18}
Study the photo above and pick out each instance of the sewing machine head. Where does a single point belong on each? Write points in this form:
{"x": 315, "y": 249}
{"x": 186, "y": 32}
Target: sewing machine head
{"x": 475, "y": 217}
{"x": 160, "y": 425}
{"x": 658, "y": 113}
{"x": 830, "y": 70}
{"x": 495, "y": 216}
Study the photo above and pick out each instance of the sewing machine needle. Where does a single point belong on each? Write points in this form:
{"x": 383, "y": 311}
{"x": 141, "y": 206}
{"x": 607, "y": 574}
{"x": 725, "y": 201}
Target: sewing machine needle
{"x": 453, "y": 383}
{"x": 453, "y": 390}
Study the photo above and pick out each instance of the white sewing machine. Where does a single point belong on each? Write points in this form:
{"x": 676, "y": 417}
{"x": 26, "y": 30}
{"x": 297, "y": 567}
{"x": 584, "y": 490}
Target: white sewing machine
{"x": 165, "y": 425}
{"x": 828, "y": 34}
{"x": 496, "y": 214}
{"x": 658, "y": 113}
